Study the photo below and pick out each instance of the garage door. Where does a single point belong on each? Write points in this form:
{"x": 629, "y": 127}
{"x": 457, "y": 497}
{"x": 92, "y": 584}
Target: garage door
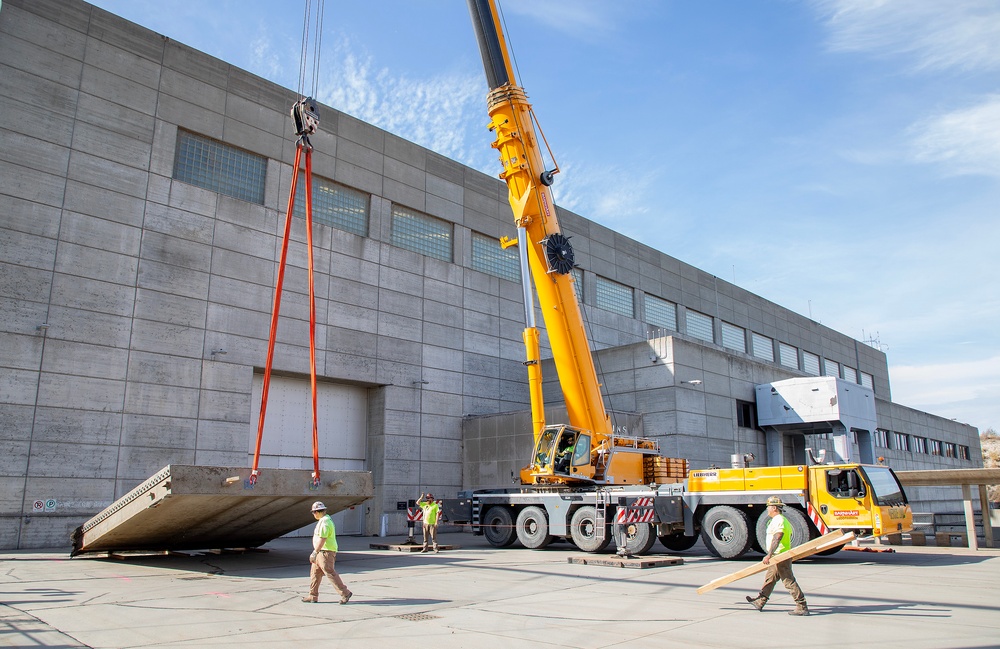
{"x": 342, "y": 413}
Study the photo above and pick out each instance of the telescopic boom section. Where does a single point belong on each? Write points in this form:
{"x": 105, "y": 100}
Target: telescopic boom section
{"x": 550, "y": 256}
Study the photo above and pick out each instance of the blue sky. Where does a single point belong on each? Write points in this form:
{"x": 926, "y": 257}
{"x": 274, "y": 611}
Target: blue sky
{"x": 838, "y": 157}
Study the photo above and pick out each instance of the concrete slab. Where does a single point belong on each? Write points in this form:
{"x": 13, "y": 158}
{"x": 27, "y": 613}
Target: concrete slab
{"x": 186, "y": 507}
{"x": 488, "y": 598}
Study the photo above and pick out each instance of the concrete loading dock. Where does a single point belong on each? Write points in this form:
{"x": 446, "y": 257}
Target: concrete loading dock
{"x": 184, "y": 507}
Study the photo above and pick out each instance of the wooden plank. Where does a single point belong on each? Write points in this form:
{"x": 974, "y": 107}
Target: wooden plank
{"x": 825, "y": 542}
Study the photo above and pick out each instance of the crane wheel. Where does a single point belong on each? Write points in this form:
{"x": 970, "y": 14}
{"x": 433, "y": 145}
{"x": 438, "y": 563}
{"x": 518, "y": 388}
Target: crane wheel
{"x": 677, "y": 542}
{"x": 725, "y": 532}
{"x": 635, "y": 538}
{"x": 798, "y": 521}
{"x": 498, "y": 527}
{"x": 533, "y": 528}
{"x": 583, "y": 530}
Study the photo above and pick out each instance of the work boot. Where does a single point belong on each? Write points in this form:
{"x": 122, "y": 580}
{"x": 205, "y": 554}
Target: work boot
{"x": 346, "y": 597}
{"x": 423, "y": 549}
{"x": 758, "y": 602}
{"x": 800, "y": 609}
{"x": 435, "y": 549}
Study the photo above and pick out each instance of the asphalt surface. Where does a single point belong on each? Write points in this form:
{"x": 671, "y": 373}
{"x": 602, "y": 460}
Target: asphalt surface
{"x": 480, "y": 597}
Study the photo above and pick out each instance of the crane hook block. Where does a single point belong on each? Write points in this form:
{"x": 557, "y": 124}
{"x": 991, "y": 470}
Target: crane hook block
{"x": 305, "y": 114}
{"x": 559, "y": 254}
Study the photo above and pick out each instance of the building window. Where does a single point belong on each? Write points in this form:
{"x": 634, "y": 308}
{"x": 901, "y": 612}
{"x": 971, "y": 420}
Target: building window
{"x": 421, "y": 233}
{"x": 963, "y": 452}
{"x": 660, "y": 313}
{"x": 900, "y": 441}
{"x": 746, "y": 414}
{"x": 832, "y": 368}
{"x": 881, "y": 438}
{"x": 699, "y": 326}
{"x": 789, "y": 355}
{"x": 221, "y": 168}
{"x": 614, "y": 297}
{"x": 763, "y": 347}
{"x": 488, "y": 256}
{"x": 334, "y": 205}
{"x": 935, "y": 447}
{"x": 577, "y": 275}
{"x": 868, "y": 380}
{"x": 919, "y": 444}
{"x": 949, "y": 450}
{"x": 810, "y": 363}
{"x": 850, "y": 374}
{"x": 734, "y": 337}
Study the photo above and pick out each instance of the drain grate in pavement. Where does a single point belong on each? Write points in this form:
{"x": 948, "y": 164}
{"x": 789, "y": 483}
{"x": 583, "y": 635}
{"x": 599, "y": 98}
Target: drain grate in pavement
{"x": 418, "y": 617}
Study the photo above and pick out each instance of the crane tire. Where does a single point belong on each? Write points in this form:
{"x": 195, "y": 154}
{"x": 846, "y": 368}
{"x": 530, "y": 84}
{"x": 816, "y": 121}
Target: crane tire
{"x": 725, "y": 532}
{"x": 533, "y": 528}
{"x": 635, "y": 538}
{"x": 677, "y": 542}
{"x": 498, "y": 527}
{"x": 583, "y": 530}
{"x": 800, "y": 527}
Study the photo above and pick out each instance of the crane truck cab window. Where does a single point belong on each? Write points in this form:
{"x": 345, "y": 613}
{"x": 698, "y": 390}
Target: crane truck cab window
{"x": 543, "y": 451}
{"x": 843, "y": 483}
{"x": 566, "y": 450}
{"x": 581, "y": 453}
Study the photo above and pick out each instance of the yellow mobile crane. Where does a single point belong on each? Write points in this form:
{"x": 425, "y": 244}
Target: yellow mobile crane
{"x": 582, "y": 475}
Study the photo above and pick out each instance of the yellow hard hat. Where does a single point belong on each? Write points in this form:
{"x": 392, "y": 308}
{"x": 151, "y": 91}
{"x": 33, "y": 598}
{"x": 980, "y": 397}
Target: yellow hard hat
{"x": 775, "y": 501}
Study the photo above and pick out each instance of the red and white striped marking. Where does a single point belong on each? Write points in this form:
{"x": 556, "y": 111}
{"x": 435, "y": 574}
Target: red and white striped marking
{"x": 640, "y": 511}
{"x": 414, "y": 514}
{"x": 817, "y": 521}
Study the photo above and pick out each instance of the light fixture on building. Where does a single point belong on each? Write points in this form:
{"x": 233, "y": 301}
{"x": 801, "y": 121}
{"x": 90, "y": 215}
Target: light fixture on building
{"x": 42, "y": 327}
{"x": 219, "y": 352}
{"x": 421, "y": 382}
{"x": 693, "y": 382}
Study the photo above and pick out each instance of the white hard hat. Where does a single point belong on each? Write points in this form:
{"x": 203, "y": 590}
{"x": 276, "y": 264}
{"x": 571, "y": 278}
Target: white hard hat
{"x": 318, "y": 507}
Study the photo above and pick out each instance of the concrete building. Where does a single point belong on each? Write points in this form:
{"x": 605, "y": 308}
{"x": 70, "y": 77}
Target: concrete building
{"x": 142, "y": 194}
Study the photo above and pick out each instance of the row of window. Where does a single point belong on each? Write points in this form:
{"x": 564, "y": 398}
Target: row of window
{"x": 234, "y": 172}
{"x": 662, "y": 314}
{"x": 920, "y": 445}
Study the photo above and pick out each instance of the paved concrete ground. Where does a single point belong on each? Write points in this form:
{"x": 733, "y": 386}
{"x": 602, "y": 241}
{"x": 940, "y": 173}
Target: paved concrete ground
{"x": 482, "y": 598}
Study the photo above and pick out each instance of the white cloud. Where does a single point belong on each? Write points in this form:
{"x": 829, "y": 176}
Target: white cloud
{"x": 935, "y": 34}
{"x": 586, "y": 19}
{"x": 964, "y": 141}
{"x": 265, "y": 60}
{"x": 611, "y": 195}
{"x": 440, "y": 112}
{"x": 966, "y": 391}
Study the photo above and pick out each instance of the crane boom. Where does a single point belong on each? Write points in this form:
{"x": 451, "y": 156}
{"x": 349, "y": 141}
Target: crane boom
{"x": 549, "y": 257}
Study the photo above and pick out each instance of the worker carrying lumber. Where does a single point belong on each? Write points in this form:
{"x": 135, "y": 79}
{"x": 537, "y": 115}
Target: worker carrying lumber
{"x": 324, "y": 556}
{"x": 431, "y": 508}
{"x": 779, "y": 539}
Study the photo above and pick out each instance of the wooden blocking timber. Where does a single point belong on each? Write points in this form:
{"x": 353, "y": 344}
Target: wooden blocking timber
{"x": 825, "y": 542}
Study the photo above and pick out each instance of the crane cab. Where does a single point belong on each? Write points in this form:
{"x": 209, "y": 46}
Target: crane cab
{"x": 561, "y": 455}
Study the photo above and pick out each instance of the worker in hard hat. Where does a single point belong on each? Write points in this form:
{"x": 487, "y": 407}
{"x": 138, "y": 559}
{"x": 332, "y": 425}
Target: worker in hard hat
{"x": 431, "y": 508}
{"x": 323, "y": 556}
{"x": 779, "y": 539}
